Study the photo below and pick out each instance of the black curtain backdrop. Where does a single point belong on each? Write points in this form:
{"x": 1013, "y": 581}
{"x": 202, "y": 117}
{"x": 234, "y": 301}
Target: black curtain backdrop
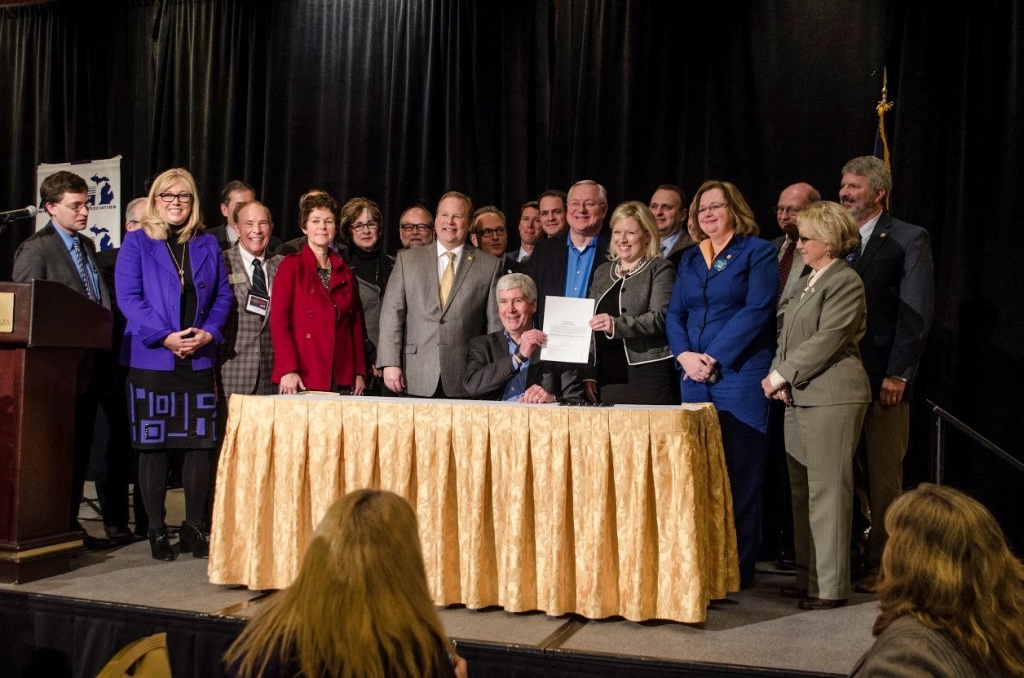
{"x": 401, "y": 100}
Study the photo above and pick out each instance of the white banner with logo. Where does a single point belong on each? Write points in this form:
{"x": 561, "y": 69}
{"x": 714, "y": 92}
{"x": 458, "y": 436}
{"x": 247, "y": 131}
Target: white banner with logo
{"x": 104, "y": 180}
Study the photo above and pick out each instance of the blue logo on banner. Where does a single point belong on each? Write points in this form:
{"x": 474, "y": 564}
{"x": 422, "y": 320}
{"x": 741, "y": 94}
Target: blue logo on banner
{"x": 102, "y": 237}
{"x": 106, "y": 192}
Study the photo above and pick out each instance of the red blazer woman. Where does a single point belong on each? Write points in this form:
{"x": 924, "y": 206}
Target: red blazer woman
{"x": 316, "y": 333}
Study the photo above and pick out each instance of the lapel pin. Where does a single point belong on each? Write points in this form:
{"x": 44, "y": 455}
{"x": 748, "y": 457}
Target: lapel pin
{"x": 720, "y": 264}
{"x": 728, "y": 256}
{"x": 882, "y": 235}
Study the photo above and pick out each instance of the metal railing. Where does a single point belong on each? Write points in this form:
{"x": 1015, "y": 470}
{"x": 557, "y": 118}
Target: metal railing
{"x": 942, "y": 417}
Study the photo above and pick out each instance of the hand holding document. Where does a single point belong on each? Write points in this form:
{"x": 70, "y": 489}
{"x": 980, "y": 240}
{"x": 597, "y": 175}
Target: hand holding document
{"x": 567, "y": 324}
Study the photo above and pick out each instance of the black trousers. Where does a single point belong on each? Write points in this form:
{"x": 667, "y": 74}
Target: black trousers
{"x": 85, "y": 423}
{"x": 111, "y": 466}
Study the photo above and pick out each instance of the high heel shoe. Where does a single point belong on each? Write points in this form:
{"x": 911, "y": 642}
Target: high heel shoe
{"x": 194, "y": 539}
{"x": 160, "y": 545}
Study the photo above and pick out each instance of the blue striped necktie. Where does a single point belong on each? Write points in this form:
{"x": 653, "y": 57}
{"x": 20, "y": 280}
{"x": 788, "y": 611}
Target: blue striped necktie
{"x": 76, "y": 249}
{"x": 259, "y": 279}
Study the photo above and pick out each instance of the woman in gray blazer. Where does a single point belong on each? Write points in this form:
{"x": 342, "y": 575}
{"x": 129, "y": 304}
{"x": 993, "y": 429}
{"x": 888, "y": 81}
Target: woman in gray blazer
{"x": 818, "y": 373}
{"x": 633, "y": 362}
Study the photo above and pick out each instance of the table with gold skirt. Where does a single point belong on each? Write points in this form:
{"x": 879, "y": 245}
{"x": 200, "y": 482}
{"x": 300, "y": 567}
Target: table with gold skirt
{"x": 592, "y": 510}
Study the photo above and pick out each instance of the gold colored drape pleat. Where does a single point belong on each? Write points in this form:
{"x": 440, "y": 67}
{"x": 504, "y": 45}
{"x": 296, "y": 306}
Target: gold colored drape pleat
{"x": 601, "y": 512}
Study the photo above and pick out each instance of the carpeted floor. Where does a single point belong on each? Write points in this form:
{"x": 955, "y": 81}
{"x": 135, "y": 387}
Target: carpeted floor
{"x": 755, "y": 627}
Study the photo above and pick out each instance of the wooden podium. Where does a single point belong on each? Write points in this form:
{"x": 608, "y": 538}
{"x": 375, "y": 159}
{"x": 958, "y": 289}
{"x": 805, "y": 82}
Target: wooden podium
{"x": 41, "y": 338}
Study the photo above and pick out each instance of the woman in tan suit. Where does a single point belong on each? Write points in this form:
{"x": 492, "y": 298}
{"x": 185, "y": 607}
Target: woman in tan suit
{"x": 818, "y": 372}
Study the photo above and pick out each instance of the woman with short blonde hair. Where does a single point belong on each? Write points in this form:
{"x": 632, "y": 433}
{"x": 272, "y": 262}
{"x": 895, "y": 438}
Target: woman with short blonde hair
{"x": 819, "y": 375}
{"x": 832, "y": 224}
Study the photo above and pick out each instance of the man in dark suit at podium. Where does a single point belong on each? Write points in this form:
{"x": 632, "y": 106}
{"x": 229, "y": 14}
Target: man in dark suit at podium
{"x": 60, "y": 252}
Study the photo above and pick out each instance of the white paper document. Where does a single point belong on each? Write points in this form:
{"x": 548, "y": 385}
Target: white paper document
{"x": 567, "y": 324}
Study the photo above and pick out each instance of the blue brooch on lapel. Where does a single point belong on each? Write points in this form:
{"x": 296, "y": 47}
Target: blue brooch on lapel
{"x": 721, "y": 264}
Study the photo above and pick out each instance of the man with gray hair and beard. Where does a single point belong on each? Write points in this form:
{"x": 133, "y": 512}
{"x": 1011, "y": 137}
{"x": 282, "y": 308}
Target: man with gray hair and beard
{"x": 895, "y": 262}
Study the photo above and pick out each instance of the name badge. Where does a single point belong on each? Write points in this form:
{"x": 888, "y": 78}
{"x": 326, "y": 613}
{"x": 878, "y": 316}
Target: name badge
{"x": 237, "y": 279}
{"x": 257, "y": 305}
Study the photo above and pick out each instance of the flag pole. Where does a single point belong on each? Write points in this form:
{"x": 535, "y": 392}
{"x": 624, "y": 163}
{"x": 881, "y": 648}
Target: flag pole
{"x": 882, "y": 108}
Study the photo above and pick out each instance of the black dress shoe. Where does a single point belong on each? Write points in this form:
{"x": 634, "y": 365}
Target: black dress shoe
{"x": 160, "y": 545}
{"x": 821, "y": 603}
{"x": 95, "y": 543}
{"x": 792, "y": 592}
{"x": 785, "y": 564}
{"x": 194, "y": 539}
{"x": 119, "y": 535}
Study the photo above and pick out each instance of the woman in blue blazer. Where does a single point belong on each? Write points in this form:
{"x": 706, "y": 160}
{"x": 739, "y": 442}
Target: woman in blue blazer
{"x": 719, "y": 327}
{"x": 172, "y": 286}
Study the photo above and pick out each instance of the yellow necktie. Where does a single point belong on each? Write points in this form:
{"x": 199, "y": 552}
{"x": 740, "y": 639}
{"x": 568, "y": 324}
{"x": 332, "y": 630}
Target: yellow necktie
{"x": 447, "y": 278}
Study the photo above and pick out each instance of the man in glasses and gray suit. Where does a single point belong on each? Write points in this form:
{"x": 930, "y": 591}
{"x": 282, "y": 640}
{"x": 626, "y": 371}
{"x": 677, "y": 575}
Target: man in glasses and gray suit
{"x": 62, "y": 253}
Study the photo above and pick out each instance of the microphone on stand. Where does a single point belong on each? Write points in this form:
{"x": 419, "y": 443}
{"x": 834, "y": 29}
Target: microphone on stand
{"x": 14, "y": 215}
{"x": 23, "y": 213}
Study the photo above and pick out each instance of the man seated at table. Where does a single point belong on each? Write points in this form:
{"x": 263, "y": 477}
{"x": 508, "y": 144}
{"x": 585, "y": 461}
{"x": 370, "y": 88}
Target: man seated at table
{"x": 503, "y": 365}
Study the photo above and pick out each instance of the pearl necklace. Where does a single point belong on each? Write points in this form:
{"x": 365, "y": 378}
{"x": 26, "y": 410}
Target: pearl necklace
{"x": 619, "y": 273}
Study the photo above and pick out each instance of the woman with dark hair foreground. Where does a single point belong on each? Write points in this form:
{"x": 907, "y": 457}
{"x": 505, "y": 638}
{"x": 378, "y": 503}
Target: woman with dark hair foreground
{"x": 359, "y": 607}
{"x": 951, "y": 593}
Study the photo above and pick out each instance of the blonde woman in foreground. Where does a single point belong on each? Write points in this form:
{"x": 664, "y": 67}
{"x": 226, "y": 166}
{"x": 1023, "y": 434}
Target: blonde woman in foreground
{"x": 951, "y": 593}
{"x": 359, "y": 607}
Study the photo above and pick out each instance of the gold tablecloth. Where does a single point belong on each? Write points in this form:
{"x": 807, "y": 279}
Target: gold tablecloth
{"x": 599, "y": 511}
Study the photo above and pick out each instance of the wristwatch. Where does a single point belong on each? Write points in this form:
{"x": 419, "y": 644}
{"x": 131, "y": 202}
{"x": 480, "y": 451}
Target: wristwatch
{"x": 519, "y": 356}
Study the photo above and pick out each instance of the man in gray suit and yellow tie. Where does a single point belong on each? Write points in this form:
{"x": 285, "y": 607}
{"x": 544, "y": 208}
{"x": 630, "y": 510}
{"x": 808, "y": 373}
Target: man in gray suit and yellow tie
{"x": 438, "y": 298}
{"x": 61, "y": 253}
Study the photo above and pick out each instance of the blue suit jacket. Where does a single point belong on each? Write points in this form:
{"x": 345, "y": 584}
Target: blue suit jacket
{"x": 149, "y": 294}
{"x": 726, "y": 310}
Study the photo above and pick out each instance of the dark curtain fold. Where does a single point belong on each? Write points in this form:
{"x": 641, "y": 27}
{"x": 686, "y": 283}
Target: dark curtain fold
{"x": 402, "y": 100}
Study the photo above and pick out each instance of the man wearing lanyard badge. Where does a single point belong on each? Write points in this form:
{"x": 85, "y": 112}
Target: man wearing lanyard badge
{"x": 246, "y": 358}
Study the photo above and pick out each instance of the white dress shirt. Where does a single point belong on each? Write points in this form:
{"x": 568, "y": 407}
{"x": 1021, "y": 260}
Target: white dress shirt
{"x": 442, "y": 260}
{"x": 866, "y": 230}
{"x": 247, "y": 260}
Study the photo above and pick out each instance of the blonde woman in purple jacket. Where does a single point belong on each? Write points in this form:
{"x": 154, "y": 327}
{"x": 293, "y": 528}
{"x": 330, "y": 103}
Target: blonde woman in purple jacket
{"x": 173, "y": 290}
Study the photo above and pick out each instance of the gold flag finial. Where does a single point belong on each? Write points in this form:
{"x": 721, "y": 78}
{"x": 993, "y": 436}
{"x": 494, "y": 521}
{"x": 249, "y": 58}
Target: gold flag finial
{"x": 881, "y": 142}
